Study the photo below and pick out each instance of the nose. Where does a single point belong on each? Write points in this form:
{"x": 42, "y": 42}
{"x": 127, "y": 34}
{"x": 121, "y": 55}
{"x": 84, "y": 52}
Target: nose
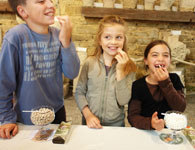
{"x": 50, "y": 3}
{"x": 113, "y": 40}
{"x": 160, "y": 57}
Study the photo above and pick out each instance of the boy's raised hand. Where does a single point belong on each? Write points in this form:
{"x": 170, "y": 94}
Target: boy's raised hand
{"x": 8, "y": 130}
{"x": 65, "y": 31}
{"x": 122, "y": 60}
{"x": 157, "y": 124}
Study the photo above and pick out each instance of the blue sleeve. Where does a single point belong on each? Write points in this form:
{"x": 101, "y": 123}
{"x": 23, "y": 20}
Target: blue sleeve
{"x": 8, "y": 69}
{"x": 70, "y": 61}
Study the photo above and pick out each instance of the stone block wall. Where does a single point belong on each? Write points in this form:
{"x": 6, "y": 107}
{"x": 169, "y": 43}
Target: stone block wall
{"x": 7, "y": 21}
{"x": 139, "y": 33}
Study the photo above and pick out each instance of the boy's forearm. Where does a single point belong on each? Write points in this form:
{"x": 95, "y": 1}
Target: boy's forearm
{"x": 8, "y": 69}
{"x": 66, "y": 43}
{"x": 70, "y": 62}
{"x": 7, "y": 115}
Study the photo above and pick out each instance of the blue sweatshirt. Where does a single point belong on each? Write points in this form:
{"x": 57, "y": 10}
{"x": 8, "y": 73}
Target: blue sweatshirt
{"x": 31, "y": 67}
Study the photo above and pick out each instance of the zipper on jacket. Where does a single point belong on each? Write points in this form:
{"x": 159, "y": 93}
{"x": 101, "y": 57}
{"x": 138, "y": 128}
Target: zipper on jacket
{"x": 102, "y": 101}
{"x": 102, "y": 111}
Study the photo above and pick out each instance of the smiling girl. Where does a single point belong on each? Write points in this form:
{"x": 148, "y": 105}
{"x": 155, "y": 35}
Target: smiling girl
{"x": 104, "y": 86}
{"x": 157, "y": 92}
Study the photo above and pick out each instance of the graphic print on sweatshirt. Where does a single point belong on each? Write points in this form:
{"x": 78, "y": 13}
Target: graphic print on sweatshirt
{"x": 40, "y": 59}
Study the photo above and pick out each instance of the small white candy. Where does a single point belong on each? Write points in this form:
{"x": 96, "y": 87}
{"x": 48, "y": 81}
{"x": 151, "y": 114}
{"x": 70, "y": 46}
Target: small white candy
{"x": 56, "y": 19}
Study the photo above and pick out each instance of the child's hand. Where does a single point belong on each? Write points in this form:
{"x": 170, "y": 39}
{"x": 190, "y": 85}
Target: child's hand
{"x": 6, "y": 129}
{"x": 93, "y": 121}
{"x": 161, "y": 74}
{"x": 157, "y": 124}
{"x": 65, "y": 31}
{"x": 122, "y": 60}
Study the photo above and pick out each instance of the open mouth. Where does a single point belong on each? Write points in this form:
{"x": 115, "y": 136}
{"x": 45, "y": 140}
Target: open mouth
{"x": 50, "y": 13}
{"x": 159, "y": 66}
{"x": 113, "y": 48}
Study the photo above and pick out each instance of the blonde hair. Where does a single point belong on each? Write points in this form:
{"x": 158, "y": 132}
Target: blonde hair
{"x": 112, "y": 20}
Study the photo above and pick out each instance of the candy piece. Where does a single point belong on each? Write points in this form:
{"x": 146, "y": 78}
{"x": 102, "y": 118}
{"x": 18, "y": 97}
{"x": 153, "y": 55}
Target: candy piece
{"x": 56, "y": 19}
{"x": 58, "y": 140}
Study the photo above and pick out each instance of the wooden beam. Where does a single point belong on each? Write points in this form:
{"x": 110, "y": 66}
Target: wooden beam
{"x": 4, "y": 7}
{"x": 134, "y": 14}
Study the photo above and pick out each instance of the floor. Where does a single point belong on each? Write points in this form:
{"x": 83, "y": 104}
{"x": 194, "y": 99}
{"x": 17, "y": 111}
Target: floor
{"x": 74, "y": 115}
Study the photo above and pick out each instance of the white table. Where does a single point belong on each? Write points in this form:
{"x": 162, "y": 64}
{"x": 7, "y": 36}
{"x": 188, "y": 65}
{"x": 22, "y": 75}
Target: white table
{"x": 83, "y": 138}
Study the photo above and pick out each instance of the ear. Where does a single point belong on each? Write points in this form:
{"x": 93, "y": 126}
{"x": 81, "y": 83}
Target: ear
{"x": 22, "y": 11}
{"x": 145, "y": 61}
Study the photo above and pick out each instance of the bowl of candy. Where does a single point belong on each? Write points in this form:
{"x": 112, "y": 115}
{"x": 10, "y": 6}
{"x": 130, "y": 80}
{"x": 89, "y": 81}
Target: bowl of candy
{"x": 175, "y": 121}
{"x": 42, "y": 116}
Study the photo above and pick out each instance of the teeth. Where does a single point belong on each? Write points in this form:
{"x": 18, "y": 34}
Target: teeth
{"x": 50, "y": 14}
{"x": 113, "y": 48}
{"x": 162, "y": 66}
{"x": 159, "y": 66}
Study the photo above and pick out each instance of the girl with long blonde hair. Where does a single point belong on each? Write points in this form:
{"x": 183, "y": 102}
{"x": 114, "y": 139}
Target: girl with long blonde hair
{"x": 104, "y": 85}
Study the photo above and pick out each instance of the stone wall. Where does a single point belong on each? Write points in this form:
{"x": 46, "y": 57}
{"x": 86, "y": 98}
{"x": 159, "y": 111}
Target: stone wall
{"x": 139, "y": 33}
{"x": 6, "y": 21}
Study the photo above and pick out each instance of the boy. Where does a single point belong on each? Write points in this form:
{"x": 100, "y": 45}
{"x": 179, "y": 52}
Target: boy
{"x": 32, "y": 60}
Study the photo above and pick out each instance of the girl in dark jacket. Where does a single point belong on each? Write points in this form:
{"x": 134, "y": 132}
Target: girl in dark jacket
{"x": 157, "y": 92}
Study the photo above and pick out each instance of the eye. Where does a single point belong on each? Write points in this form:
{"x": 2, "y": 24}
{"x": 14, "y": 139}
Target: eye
{"x": 107, "y": 37}
{"x": 41, "y": 1}
{"x": 119, "y": 37}
{"x": 166, "y": 55}
{"x": 154, "y": 55}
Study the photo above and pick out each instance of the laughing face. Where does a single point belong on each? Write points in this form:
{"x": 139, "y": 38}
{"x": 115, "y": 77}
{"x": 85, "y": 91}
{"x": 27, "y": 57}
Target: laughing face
{"x": 158, "y": 57}
{"x": 112, "y": 39}
{"x": 39, "y": 13}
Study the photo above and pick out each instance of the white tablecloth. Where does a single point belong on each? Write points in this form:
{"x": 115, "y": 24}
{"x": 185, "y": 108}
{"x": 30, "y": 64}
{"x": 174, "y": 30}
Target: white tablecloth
{"x": 83, "y": 138}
